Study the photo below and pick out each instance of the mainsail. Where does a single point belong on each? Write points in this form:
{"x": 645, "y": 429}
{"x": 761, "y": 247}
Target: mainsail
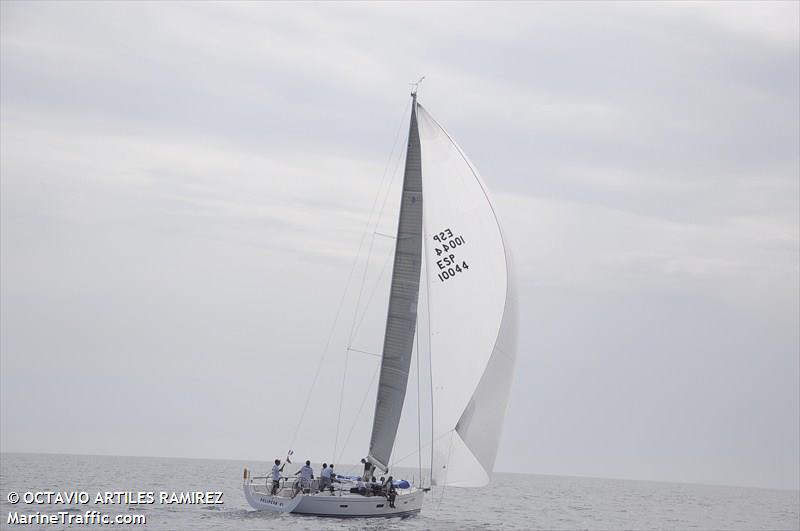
{"x": 402, "y": 317}
{"x": 473, "y": 311}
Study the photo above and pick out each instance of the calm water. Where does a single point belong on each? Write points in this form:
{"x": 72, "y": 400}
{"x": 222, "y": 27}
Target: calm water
{"x": 512, "y": 502}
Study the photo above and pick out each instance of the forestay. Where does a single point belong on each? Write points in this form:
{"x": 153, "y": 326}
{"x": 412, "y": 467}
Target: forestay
{"x": 472, "y": 311}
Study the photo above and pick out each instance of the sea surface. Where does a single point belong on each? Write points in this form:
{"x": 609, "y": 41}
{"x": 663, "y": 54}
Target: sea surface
{"x": 512, "y": 501}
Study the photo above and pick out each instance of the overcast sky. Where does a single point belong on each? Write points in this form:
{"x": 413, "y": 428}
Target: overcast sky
{"x": 184, "y": 188}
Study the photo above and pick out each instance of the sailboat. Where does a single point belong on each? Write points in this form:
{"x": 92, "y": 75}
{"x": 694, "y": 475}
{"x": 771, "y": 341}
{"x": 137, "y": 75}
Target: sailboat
{"x": 448, "y": 223}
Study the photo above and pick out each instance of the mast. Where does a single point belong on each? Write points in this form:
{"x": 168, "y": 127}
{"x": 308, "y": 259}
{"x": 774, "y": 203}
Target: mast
{"x": 401, "y": 318}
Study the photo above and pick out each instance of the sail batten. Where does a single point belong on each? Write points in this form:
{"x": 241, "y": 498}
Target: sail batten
{"x": 402, "y": 312}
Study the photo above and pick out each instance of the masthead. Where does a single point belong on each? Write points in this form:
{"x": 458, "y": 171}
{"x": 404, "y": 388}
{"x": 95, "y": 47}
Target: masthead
{"x": 415, "y": 87}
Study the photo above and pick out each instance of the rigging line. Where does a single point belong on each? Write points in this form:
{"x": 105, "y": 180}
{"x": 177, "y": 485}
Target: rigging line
{"x": 351, "y": 349}
{"x": 366, "y": 268}
{"x": 347, "y": 284}
{"x": 372, "y": 295}
{"x": 354, "y": 331}
{"x": 415, "y": 452}
{"x": 394, "y": 171}
{"x": 419, "y": 417}
{"x": 377, "y": 219}
{"x": 361, "y": 288}
{"x": 419, "y": 447}
{"x": 358, "y": 414}
{"x": 341, "y": 400}
{"x": 444, "y": 483}
{"x": 430, "y": 333}
{"x": 322, "y": 358}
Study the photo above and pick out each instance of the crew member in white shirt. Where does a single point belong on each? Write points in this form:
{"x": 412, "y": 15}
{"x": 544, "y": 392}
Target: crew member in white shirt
{"x": 306, "y": 475}
{"x": 276, "y": 475}
{"x": 325, "y": 478}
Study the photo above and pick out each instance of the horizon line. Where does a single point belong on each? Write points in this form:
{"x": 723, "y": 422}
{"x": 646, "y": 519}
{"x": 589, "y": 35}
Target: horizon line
{"x": 4, "y": 452}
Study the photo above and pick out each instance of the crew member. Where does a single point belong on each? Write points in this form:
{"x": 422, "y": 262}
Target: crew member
{"x": 325, "y": 478}
{"x": 276, "y": 476}
{"x": 306, "y": 475}
{"x": 367, "y": 469}
{"x": 389, "y": 490}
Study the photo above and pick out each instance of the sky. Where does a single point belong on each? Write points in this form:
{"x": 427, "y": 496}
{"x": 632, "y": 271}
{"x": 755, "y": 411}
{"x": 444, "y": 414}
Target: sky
{"x": 184, "y": 188}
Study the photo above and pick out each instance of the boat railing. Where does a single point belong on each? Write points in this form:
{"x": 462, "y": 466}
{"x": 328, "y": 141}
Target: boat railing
{"x": 287, "y": 486}
{"x": 290, "y": 486}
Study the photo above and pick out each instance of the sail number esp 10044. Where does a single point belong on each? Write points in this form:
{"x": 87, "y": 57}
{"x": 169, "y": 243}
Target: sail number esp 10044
{"x": 447, "y": 262}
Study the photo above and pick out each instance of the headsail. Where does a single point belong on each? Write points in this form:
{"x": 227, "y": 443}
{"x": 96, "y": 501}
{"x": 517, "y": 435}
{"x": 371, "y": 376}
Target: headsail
{"x": 472, "y": 311}
{"x": 402, "y": 318}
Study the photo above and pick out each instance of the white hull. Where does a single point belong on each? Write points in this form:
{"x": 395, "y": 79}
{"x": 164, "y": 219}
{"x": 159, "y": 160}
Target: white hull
{"x": 341, "y": 505}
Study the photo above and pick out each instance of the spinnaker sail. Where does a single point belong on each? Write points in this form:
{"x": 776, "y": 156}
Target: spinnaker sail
{"x": 473, "y": 311}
